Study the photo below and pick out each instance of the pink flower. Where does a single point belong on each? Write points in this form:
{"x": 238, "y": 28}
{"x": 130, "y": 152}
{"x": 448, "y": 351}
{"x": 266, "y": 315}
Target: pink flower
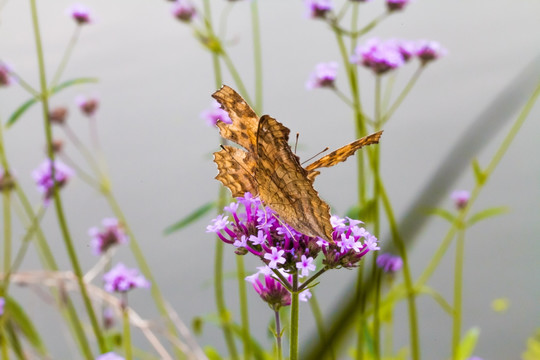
{"x": 88, "y": 105}
{"x": 113, "y": 234}
{"x": 429, "y": 50}
{"x": 2, "y": 304}
{"x": 122, "y": 279}
{"x": 389, "y": 263}
{"x": 183, "y": 10}
{"x": 44, "y": 180}
{"x": 80, "y": 13}
{"x": 461, "y": 198}
{"x": 396, "y": 5}
{"x": 109, "y": 356}
{"x": 323, "y": 76}
{"x": 318, "y": 8}
{"x": 379, "y": 56}
{"x": 5, "y": 78}
{"x": 216, "y": 114}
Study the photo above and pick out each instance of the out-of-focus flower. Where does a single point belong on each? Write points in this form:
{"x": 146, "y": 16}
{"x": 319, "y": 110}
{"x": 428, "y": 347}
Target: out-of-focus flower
{"x": 2, "y": 304}
{"x": 88, "y": 105}
{"x": 461, "y": 198}
{"x": 272, "y": 292}
{"x": 389, "y": 263}
{"x": 112, "y": 234}
{"x": 318, "y": 9}
{"x": 429, "y": 50}
{"x": 122, "y": 279}
{"x": 6, "y": 180}
{"x": 58, "y": 115}
{"x": 57, "y": 146}
{"x": 212, "y": 116}
{"x": 379, "y": 56}
{"x": 44, "y": 180}
{"x": 80, "y": 13}
{"x": 323, "y": 76}
{"x": 108, "y": 318}
{"x": 183, "y": 10}
{"x": 396, "y": 5}
{"x": 5, "y": 78}
{"x": 109, "y": 356}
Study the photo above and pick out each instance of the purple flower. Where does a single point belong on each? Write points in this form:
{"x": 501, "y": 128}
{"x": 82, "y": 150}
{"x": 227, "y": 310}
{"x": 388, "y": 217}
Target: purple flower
{"x": 215, "y": 114}
{"x": 122, "y": 279}
{"x": 5, "y": 78}
{"x": 305, "y": 295}
{"x": 272, "y": 292}
{"x": 183, "y": 10}
{"x": 275, "y": 257}
{"x": 318, "y": 8}
{"x": 389, "y": 263}
{"x": 305, "y": 265}
{"x": 109, "y": 356}
{"x": 323, "y": 76}
{"x": 79, "y": 13}
{"x": 218, "y": 224}
{"x": 395, "y": 5}
{"x": 88, "y": 105}
{"x": 2, "y": 304}
{"x": 461, "y": 198}
{"x": 108, "y": 318}
{"x": 429, "y": 50}
{"x": 43, "y": 177}
{"x": 379, "y": 56}
{"x": 113, "y": 234}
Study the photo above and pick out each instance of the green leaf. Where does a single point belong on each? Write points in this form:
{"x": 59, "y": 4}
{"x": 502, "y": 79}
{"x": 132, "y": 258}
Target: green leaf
{"x": 478, "y": 173}
{"x": 484, "y": 214}
{"x": 212, "y": 353}
{"x": 195, "y": 215}
{"x": 25, "y": 325}
{"x": 27, "y": 104}
{"x": 468, "y": 343}
{"x": 445, "y": 214}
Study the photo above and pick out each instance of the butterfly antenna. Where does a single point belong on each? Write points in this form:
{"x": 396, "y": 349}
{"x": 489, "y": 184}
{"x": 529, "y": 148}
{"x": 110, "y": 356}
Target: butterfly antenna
{"x": 296, "y": 142}
{"x": 314, "y": 156}
{"x": 285, "y": 226}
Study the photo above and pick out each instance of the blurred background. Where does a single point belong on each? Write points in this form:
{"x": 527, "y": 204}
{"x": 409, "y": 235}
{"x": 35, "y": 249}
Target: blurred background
{"x": 154, "y": 81}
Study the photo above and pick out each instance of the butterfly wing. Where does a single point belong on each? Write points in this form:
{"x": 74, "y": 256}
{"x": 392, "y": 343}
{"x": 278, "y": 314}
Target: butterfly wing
{"x": 283, "y": 184}
{"x": 243, "y": 129}
{"x": 235, "y": 170}
{"x": 341, "y": 154}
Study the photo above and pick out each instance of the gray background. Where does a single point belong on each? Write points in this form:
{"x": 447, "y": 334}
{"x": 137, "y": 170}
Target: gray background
{"x": 155, "y": 79}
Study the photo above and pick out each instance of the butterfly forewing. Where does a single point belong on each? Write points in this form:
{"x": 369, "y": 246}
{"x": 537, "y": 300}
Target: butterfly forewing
{"x": 235, "y": 170}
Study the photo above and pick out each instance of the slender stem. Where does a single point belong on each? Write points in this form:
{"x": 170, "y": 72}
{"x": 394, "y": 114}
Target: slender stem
{"x": 293, "y": 350}
{"x": 236, "y": 76}
{"x": 24, "y": 84}
{"x": 57, "y": 200}
{"x": 3, "y": 341}
{"x": 458, "y": 291}
{"x": 402, "y": 95}
{"x": 87, "y": 154}
{"x": 311, "y": 279}
{"x": 376, "y": 310}
{"x": 362, "y": 321}
{"x": 343, "y": 97}
{"x": 244, "y": 313}
{"x": 278, "y": 334}
{"x": 319, "y": 321}
{"x": 257, "y": 56}
{"x": 67, "y": 55}
{"x": 6, "y": 201}
{"x": 127, "y": 330}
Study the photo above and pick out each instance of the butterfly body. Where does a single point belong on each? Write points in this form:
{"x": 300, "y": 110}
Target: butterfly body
{"x": 268, "y": 168}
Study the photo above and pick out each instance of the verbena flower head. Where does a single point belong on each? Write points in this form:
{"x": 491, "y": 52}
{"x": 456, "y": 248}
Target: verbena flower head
{"x": 428, "y": 51}
{"x": 461, "y": 198}
{"x": 112, "y": 234}
{"x": 389, "y": 263}
{"x": 88, "y": 105}
{"x": 58, "y": 115}
{"x": 323, "y": 76}
{"x": 255, "y": 229}
{"x": 5, "y": 78}
{"x": 122, "y": 279}
{"x": 396, "y": 5}
{"x": 318, "y": 8}
{"x": 2, "y": 304}
{"x": 379, "y": 56}
{"x": 183, "y": 10}
{"x": 216, "y": 113}
{"x": 109, "y": 356}
{"x": 44, "y": 180}
{"x": 80, "y": 13}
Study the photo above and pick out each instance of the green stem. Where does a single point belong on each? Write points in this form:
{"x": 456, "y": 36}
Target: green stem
{"x": 57, "y": 200}
{"x": 127, "y": 330}
{"x": 67, "y": 55}
{"x": 362, "y": 321}
{"x": 376, "y": 310}
{"x": 236, "y": 76}
{"x": 25, "y": 85}
{"x": 6, "y": 201}
{"x": 458, "y": 290}
{"x": 244, "y": 313}
{"x": 311, "y": 279}
{"x": 319, "y": 321}
{"x": 278, "y": 334}
{"x": 293, "y": 351}
{"x": 402, "y": 95}
{"x": 257, "y": 56}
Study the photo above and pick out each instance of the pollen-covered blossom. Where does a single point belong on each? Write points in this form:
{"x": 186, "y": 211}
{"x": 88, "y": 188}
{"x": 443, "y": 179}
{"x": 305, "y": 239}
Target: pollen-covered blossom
{"x": 5, "y": 78}
{"x": 212, "y": 116}
{"x": 2, "y": 304}
{"x": 44, "y": 180}
{"x": 183, "y": 10}
{"x": 323, "y": 76}
{"x": 429, "y": 50}
{"x": 80, "y": 13}
{"x": 109, "y": 356}
{"x": 379, "y": 56}
{"x": 88, "y": 105}
{"x": 389, "y": 263}
{"x": 112, "y": 234}
{"x": 395, "y": 5}
{"x": 257, "y": 230}
{"x": 461, "y": 198}
{"x": 122, "y": 279}
{"x": 318, "y": 8}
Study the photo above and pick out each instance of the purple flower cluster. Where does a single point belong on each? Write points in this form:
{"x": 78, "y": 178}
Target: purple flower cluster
{"x": 2, "y": 304}
{"x": 79, "y": 13}
{"x": 461, "y": 198}
{"x": 317, "y": 9}
{"x": 5, "y": 78}
{"x": 183, "y": 10}
{"x": 122, "y": 279}
{"x": 383, "y": 56}
{"x": 212, "y": 116}
{"x": 44, "y": 180}
{"x": 88, "y": 105}
{"x": 396, "y": 5}
{"x": 389, "y": 263}
{"x": 113, "y": 234}
{"x": 323, "y": 76}
{"x": 258, "y": 230}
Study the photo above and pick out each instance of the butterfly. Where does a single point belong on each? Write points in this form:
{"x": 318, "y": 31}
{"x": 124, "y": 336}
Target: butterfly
{"x": 267, "y": 167}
